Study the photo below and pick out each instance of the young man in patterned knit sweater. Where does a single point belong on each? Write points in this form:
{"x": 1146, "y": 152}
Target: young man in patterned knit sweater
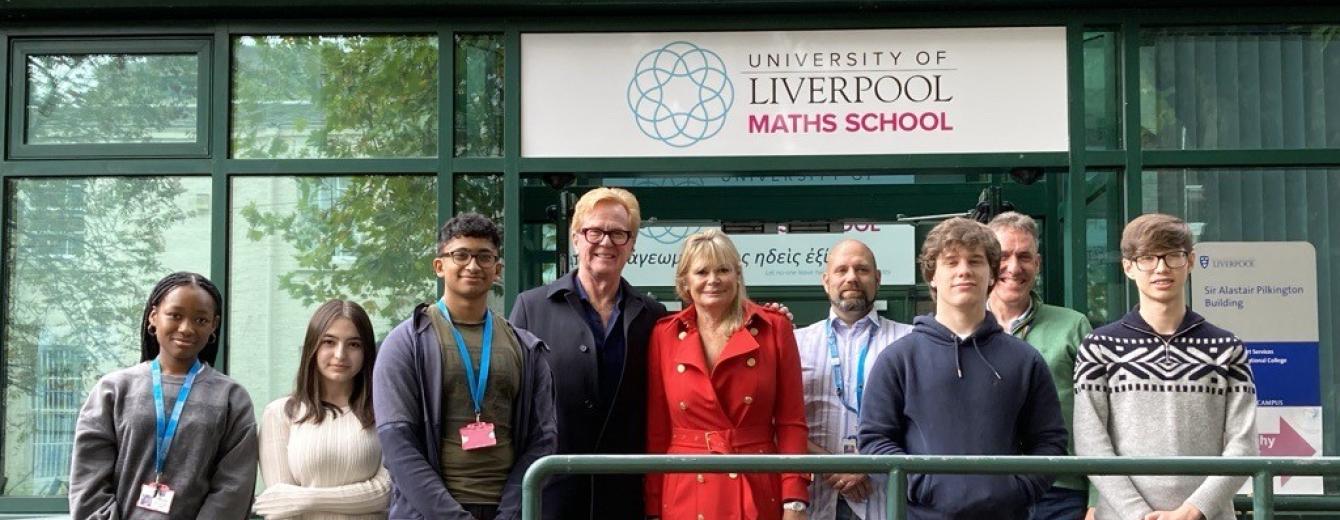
{"x": 1163, "y": 382}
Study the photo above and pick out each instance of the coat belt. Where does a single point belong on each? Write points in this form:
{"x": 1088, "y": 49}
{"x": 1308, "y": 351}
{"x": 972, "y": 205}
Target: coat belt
{"x": 735, "y": 440}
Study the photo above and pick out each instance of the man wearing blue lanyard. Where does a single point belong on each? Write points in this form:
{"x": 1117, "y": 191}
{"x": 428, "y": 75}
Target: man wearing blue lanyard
{"x": 836, "y": 355}
{"x": 464, "y": 401}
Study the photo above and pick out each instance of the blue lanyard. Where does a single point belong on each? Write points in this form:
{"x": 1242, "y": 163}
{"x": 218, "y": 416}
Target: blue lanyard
{"x": 476, "y": 384}
{"x": 836, "y": 362}
{"x": 167, "y": 427}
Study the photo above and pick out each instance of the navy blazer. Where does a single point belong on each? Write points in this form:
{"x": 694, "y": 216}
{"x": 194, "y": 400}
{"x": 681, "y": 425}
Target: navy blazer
{"x": 555, "y": 313}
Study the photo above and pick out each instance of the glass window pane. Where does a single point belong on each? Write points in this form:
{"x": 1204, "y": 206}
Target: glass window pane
{"x": 300, "y": 241}
{"x": 482, "y": 193}
{"x": 334, "y": 97}
{"x": 1240, "y": 87}
{"x": 1102, "y": 246}
{"x": 83, "y": 254}
{"x": 1102, "y": 115}
{"x": 479, "y": 95}
{"x": 112, "y": 98}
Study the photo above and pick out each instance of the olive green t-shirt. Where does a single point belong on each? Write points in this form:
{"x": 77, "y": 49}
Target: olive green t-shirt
{"x": 477, "y": 476}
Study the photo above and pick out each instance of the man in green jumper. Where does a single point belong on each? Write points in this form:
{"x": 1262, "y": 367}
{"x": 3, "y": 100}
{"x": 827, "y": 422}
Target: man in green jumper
{"x": 1055, "y": 331}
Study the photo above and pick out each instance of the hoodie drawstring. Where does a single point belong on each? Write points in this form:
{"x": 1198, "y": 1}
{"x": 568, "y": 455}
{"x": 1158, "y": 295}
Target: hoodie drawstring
{"x": 957, "y": 363}
{"x": 979, "y": 354}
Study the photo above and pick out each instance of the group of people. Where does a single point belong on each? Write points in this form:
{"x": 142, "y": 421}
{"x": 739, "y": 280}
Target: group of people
{"x": 443, "y": 419}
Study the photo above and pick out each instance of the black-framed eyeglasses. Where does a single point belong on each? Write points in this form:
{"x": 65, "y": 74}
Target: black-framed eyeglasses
{"x": 462, "y": 257}
{"x": 1174, "y": 260}
{"x": 596, "y": 235}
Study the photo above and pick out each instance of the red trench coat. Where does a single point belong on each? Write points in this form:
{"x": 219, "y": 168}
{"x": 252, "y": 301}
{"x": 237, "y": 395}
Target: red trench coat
{"x": 751, "y": 402}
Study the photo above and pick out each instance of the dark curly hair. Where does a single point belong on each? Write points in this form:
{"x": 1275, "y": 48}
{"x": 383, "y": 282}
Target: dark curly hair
{"x": 470, "y": 225}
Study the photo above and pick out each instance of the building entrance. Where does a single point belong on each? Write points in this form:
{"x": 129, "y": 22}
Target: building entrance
{"x": 784, "y": 223}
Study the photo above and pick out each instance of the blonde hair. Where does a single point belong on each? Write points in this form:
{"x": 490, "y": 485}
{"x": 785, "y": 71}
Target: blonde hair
{"x": 714, "y": 248}
{"x": 618, "y": 196}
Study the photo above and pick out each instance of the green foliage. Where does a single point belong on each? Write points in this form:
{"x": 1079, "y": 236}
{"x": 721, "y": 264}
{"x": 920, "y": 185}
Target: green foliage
{"x": 101, "y": 98}
{"x": 82, "y": 256}
{"x": 366, "y": 238}
{"x": 478, "y": 92}
{"x": 335, "y": 97}
{"x": 371, "y": 243}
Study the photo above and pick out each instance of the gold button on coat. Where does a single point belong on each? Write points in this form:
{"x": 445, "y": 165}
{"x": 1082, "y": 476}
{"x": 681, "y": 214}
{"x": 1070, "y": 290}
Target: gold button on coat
{"x": 751, "y": 362}
{"x": 734, "y": 475}
{"x": 680, "y": 368}
{"x": 682, "y": 334}
{"x": 753, "y": 331}
{"x": 683, "y": 405}
{"x": 748, "y": 399}
{"x": 701, "y": 479}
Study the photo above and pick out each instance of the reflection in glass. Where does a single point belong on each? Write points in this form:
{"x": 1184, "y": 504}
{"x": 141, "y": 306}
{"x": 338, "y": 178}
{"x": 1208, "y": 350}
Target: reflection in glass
{"x": 1102, "y": 116}
{"x": 112, "y": 98}
{"x": 479, "y": 95}
{"x": 82, "y": 255}
{"x": 300, "y": 241}
{"x": 482, "y": 193}
{"x": 334, "y": 97}
{"x": 1102, "y": 246}
{"x": 1239, "y": 87}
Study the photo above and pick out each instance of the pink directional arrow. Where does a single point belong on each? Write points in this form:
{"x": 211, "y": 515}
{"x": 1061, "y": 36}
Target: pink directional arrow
{"x": 1286, "y": 443}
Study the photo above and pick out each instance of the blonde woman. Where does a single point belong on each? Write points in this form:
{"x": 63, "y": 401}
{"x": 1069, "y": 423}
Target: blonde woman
{"x": 723, "y": 377}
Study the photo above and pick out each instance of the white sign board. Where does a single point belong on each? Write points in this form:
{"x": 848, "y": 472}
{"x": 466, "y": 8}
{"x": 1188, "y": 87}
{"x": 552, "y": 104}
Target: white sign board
{"x": 774, "y": 259}
{"x": 1266, "y": 294}
{"x": 904, "y": 91}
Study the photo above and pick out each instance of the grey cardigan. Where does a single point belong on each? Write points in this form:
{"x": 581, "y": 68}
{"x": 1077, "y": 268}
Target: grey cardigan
{"x": 211, "y": 466}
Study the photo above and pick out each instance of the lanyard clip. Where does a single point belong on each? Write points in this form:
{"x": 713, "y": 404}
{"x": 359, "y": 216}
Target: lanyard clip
{"x": 478, "y": 418}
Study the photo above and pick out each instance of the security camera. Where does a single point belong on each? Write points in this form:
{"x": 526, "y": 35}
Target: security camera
{"x": 1026, "y": 175}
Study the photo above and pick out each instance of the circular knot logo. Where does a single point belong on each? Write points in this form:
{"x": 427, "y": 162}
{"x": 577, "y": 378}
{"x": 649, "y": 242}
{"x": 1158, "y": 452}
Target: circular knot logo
{"x": 680, "y": 94}
{"x": 669, "y": 235}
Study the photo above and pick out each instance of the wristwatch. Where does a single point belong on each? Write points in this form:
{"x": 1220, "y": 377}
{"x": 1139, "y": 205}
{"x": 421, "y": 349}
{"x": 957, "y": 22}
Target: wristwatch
{"x": 794, "y": 505}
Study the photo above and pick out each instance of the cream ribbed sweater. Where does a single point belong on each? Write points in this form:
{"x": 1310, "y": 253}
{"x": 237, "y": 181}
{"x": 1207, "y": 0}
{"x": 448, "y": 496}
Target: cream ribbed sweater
{"x": 320, "y": 472}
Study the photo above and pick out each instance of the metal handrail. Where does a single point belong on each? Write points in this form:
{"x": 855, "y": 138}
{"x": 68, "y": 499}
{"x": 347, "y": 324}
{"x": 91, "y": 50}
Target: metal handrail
{"x": 1263, "y": 470}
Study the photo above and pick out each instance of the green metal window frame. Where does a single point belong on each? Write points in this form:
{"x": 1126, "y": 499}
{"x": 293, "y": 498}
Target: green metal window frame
{"x": 207, "y": 158}
{"x": 20, "y": 50}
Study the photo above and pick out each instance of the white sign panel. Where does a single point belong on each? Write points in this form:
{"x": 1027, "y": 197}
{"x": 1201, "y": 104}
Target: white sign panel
{"x": 904, "y": 91}
{"x": 774, "y": 259}
{"x": 1266, "y": 294}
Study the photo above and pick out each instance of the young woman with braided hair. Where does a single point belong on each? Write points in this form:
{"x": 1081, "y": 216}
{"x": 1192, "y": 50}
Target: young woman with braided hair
{"x": 169, "y": 437}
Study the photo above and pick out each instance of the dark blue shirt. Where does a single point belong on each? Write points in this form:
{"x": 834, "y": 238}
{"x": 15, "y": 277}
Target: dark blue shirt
{"x": 610, "y": 344}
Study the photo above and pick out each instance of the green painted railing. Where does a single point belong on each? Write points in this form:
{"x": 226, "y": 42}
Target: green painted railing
{"x": 898, "y": 467}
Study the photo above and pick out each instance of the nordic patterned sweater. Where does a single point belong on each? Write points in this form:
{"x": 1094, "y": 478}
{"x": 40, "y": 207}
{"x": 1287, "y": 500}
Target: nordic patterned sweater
{"x": 1139, "y": 394}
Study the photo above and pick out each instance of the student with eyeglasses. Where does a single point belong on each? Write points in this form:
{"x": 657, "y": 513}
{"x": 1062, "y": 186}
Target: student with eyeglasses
{"x": 1163, "y": 381}
{"x": 464, "y": 402}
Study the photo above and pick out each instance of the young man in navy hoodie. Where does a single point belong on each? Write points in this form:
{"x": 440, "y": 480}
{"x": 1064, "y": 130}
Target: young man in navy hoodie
{"x": 960, "y": 385}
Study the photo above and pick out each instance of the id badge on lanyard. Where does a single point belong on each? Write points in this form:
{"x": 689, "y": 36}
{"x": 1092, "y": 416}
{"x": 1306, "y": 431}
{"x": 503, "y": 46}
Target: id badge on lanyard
{"x": 478, "y": 434}
{"x": 157, "y": 496}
